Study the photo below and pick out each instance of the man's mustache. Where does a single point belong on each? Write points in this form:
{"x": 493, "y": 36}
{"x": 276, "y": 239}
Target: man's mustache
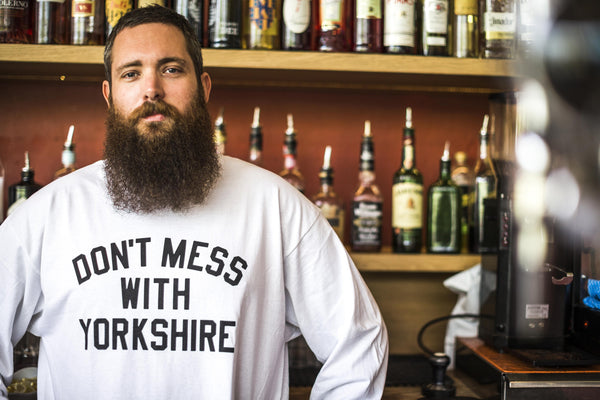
{"x": 149, "y": 108}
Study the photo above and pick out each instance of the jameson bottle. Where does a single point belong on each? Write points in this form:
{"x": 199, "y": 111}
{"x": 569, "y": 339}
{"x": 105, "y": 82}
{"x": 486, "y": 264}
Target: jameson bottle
{"x": 485, "y": 187}
{"x": 335, "y": 25}
{"x": 444, "y": 211}
{"x": 465, "y": 31}
{"x": 400, "y": 26}
{"x": 256, "y": 139}
{"x": 193, "y": 11}
{"x": 68, "y": 156}
{"x": 367, "y": 203}
{"x": 22, "y": 190}
{"x": 368, "y": 26}
{"x": 290, "y": 171}
{"x": 114, "y": 10}
{"x": 52, "y": 21}
{"x": 225, "y": 24}
{"x": 263, "y": 25}
{"x": 436, "y": 23}
{"x": 498, "y": 28}
{"x": 87, "y": 22}
{"x": 463, "y": 177}
{"x": 16, "y": 21}
{"x": 331, "y": 206}
{"x": 407, "y": 197}
{"x": 297, "y": 26}
{"x": 220, "y": 132}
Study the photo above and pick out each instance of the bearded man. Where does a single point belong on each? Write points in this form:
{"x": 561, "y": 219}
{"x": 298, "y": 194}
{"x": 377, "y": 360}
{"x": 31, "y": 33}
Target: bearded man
{"x": 166, "y": 271}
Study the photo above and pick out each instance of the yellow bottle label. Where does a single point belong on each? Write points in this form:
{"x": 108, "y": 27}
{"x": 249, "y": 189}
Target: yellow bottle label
{"x": 115, "y": 9}
{"x": 465, "y": 7}
{"x": 263, "y": 15}
{"x": 407, "y": 205}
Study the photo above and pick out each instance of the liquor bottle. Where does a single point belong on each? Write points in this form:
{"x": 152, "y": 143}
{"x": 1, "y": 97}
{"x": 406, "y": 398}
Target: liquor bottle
{"x": 87, "y": 22}
{"x": 367, "y": 202}
{"x": 525, "y": 27}
{"x": 436, "y": 26}
{"x": 297, "y": 26}
{"x": 444, "y": 211}
{"x": 485, "y": 187}
{"x": 400, "y": 26}
{"x": 193, "y": 11}
{"x": 331, "y": 206}
{"x": 262, "y": 25}
{"x": 335, "y": 25}
{"x": 68, "y": 156}
{"x": 290, "y": 170}
{"x": 465, "y": 29}
{"x": 225, "y": 24}
{"x": 114, "y": 10}
{"x": 256, "y": 139}
{"x": 407, "y": 197}
{"x": 52, "y": 21}
{"x": 1, "y": 191}
{"x": 368, "y": 26}
{"x": 220, "y": 132}
{"x": 464, "y": 178}
{"x": 22, "y": 190}
{"x": 498, "y": 25}
{"x": 16, "y": 21}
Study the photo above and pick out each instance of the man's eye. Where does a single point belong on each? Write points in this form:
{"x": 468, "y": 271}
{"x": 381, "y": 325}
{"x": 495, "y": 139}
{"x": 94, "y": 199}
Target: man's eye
{"x": 129, "y": 75}
{"x": 172, "y": 70}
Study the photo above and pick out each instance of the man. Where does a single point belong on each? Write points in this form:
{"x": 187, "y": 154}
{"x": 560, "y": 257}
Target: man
{"x": 168, "y": 272}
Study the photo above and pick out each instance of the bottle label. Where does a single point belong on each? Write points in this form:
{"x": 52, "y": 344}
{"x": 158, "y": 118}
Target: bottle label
{"x": 14, "y": 5}
{"x": 465, "y": 7}
{"x": 436, "y": 17}
{"x": 399, "y": 23}
{"x": 83, "y": 8}
{"x": 499, "y": 25}
{"x": 146, "y": 3}
{"x": 366, "y": 222}
{"x": 407, "y": 205}
{"x": 368, "y": 9}
{"x": 296, "y": 15}
{"x": 335, "y": 216}
{"x": 331, "y": 14}
{"x": 115, "y": 9}
{"x": 445, "y": 230}
{"x": 262, "y": 15}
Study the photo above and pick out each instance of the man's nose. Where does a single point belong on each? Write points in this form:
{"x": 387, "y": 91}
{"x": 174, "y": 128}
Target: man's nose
{"x": 153, "y": 87}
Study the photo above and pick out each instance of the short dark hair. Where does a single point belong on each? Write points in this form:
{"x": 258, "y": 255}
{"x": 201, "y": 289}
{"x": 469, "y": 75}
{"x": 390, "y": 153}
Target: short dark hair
{"x": 155, "y": 14}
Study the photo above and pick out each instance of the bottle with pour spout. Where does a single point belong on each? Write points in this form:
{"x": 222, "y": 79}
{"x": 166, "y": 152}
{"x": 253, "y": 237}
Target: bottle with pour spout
{"x": 22, "y": 190}
{"x": 290, "y": 171}
{"x": 68, "y": 156}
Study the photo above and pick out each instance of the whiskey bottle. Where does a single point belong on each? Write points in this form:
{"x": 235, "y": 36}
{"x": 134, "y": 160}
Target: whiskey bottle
{"x": 52, "y": 21}
{"x": 407, "y": 197}
{"x": 368, "y": 26}
{"x": 220, "y": 132}
{"x": 146, "y": 3}
{"x": 290, "y": 170}
{"x": 193, "y": 11}
{"x": 22, "y": 190}
{"x": 87, "y": 22}
{"x": 331, "y": 206}
{"x": 114, "y": 10}
{"x": 436, "y": 26}
{"x": 297, "y": 25}
{"x": 367, "y": 202}
{"x": 225, "y": 24}
{"x": 463, "y": 177}
{"x": 335, "y": 25}
{"x": 498, "y": 25}
{"x": 444, "y": 211}
{"x": 485, "y": 187}
{"x": 262, "y": 25}
{"x": 68, "y": 156}
{"x": 16, "y": 21}
{"x": 256, "y": 139}
{"x": 465, "y": 32}
{"x": 400, "y": 26}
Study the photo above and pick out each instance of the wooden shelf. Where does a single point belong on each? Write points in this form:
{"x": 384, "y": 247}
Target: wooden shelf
{"x": 386, "y": 261}
{"x": 310, "y": 69}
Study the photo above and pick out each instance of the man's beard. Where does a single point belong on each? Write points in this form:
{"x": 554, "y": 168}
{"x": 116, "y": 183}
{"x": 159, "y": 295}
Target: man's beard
{"x": 155, "y": 166}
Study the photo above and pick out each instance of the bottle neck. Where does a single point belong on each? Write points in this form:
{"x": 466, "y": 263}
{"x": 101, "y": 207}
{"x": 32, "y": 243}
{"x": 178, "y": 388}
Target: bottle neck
{"x": 484, "y": 148}
{"x": 68, "y": 158}
{"x": 408, "y": 150}
{"x": 289, "y": 161}
{"x": 445, "y": 172}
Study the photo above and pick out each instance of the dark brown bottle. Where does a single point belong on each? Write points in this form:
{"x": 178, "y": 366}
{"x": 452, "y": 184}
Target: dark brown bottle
{"x": 335, "y": 25}
{"x": 225, "y": 24}
{"x": 16, "y": 21}
{"x": 193, "y": 11}
{"x": 297, "y": 26}
{"x": 368, "y": 26}
{"x": 52, "y": 22}
{"x": 87, "y": 22}
{"x": 22, "y": 190}
{"x": 400, "y": 26}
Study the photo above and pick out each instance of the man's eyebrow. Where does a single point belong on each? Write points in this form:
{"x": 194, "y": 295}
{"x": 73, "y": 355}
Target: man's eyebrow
{"x": 130, "y": 64}
{"x": 162, "y": 61}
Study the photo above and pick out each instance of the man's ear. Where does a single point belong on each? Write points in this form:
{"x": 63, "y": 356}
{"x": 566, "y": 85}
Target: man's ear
{"x": 106, "y": 92}
{"x": 206, "y": 85}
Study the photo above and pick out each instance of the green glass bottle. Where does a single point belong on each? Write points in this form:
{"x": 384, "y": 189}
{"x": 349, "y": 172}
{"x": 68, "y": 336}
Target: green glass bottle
{"x": 444, "y": 211}
{"x": 407, "y": 198}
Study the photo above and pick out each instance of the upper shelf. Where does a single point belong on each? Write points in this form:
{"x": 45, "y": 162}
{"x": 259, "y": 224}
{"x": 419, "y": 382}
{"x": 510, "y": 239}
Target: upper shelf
{"x": 281, "y": 69}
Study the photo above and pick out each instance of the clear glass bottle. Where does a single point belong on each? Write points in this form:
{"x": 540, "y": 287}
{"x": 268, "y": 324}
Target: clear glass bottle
{"x": 193, "y": 11}
{"x": 52, "y": 21}
{"x": 87, "y": 22}
{"x": 436, "y": 31}
{"x": 485, "y": 187}
{"x": 220, "y": 132}
{"x": 256, "y": 139}
{"x": 16, "y": 21}
{"x": 465, "y": 30}
{"x": 368, "y": 26}
{"x": 367, "y": 202}
{"x": 463, "y": 176}
{"x": 407, "y": 197}
{"x": 262, "y": 25}
{"x": 22, "y": 190}
{"x": 400, "y": 26}
{"x": 330, "y": 204}
{"x": 290, "y": 171}
{"x": 68, "y": 156}
{"x": 297, "y": 25}
{"x": 225, "y": 24}
{"x": 444, "y": 211}
{"x": 335, "y": 25}
{"x": 498, "y": 24}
